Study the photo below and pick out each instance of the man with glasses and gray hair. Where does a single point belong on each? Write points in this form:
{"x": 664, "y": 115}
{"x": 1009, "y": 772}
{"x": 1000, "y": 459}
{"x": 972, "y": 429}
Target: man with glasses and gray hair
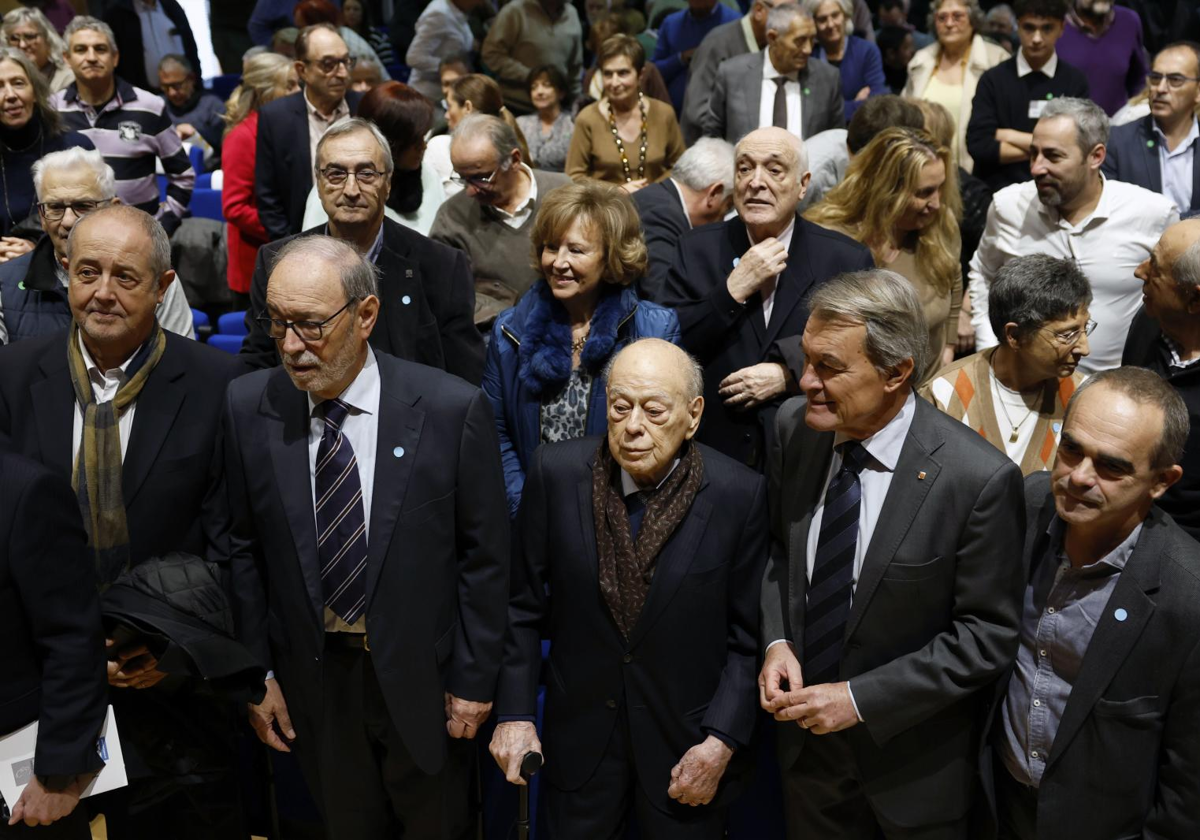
{"x": 490, "y": 220}
{"x": 426, "y": 297}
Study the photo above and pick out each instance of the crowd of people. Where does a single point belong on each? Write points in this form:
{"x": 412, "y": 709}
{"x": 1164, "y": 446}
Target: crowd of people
{"x": 782, "y": 416}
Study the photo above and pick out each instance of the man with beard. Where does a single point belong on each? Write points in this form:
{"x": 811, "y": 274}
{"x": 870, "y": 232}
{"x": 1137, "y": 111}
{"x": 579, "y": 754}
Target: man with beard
{"x": 1104, "y": 41}
{"x": 1069, "y": 210}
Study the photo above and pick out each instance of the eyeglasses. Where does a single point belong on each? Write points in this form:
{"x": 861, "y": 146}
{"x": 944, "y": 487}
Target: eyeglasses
{"x": 1175, "y": 80}
{"x": 950, "y": 17}
{"x": 18, "y": 39}
{"x": 477, "y": 181}
{"x": 1071, "y": 337}
{"x": 330, "y": 64}
{"x": 55, "y": 210}
{"x": 336, "y": 175}
{"x": 308, "y": 331}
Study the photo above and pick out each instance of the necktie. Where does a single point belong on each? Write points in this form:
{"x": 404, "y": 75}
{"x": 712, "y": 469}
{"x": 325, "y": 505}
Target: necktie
{"x": 830, "y": 590}
{"x": 636, "y": 505}
{"x": 779, "y": 114}
{"x": 341, "y": 522}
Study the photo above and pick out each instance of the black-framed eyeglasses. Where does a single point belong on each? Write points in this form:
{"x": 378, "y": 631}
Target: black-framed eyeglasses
{"x": 329, "y": 64}
{"x": 477, "y": 181}
{"x": 1071, "y": 337}
{"x": 1174, "y": 80}
{"x": 336, "y": 175}
{"x": 55, "y": 210}
{"x": 305, "y": 330}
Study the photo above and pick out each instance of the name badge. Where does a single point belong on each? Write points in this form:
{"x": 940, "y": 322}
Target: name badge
{"x": 1036, "y": 106}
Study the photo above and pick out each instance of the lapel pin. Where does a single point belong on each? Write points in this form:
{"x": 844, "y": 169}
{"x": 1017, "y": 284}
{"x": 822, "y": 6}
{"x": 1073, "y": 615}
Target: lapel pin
{"x": 807, "y": 91}
{"x": 408, "y": 272}
{"x": 736, "y": 260}
{"x": 921, "y": 475}
{"x": 398, "y": 451}
{"x": 406, "y": 300}
{"x": 1057, "y": 428}
{"x": 1120, "y": 614}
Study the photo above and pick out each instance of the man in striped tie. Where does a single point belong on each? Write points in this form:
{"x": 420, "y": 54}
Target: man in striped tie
{"x": 891, "y": 603}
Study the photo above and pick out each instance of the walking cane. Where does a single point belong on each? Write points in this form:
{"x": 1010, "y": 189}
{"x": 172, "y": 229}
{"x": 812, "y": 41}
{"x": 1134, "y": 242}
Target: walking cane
{"x": 530, "y": 764}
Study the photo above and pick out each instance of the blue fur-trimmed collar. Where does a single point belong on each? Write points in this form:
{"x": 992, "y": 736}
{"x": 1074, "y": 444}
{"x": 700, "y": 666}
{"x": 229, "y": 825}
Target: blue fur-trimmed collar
{"x": 545, "y": 351}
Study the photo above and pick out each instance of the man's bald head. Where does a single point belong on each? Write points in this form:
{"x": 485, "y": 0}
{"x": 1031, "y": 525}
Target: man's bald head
{"x": 778, "y": 139}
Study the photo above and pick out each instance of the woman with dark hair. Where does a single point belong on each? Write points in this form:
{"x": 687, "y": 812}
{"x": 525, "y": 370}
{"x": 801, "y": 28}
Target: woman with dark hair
{"x": 548, "y": 132}
{"x": 310, "y": 12}
{"x": 404, "y": 116}
{"x": 356, "y": 16}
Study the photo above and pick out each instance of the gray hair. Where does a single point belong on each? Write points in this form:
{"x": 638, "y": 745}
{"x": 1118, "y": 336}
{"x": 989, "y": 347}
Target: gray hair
{"x": 695, "y": 371}
{"x": 498, "y": 132}
{"x": 847, "y": 7}
{"x": 359, "y": 276}
{"x": 44, "y": 111}
{"x": 784, "y": 15}
{"x": 995, "y": 12}
{"x": 86, "y": 23}
{"x": 974, "y": 14}
{"x": 706, "y": 162}
{"x": 1186, "y": 269}
{"x": 71, "y": 158}
{"x": 160, "y": 244}
{"x": 1032, "y": 290}
{"x": 888, "y": 306}
{"x": 1146, "y": 388}
{"x": 351, "y": 126}
{"x": 176, "y": 58}
{"x": 1091, "y": 123}
{"x": 34, "y": 17}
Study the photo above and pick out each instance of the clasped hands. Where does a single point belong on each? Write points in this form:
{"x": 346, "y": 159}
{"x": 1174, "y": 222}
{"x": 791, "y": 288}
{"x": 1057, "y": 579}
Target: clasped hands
{"x": 820, "y": 709}
{"x": 133, "y": 666}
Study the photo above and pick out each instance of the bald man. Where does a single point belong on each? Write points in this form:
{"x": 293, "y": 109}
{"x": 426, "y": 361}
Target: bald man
{"x": 650, "y": 705}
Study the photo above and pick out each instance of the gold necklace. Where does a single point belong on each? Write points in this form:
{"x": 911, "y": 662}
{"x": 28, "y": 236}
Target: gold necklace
{"x": 612, "y": 125}
{"x": 577, "y": 343}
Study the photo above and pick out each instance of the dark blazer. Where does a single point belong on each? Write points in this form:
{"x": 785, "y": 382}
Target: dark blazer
{"x": 733, "y": 107}
{"x": 936, "y": 611}
{"x": 1125, "y": 755}
{"x": 127, "y": 27}
{"x": 426, "y": 304}
{"x": 727, "y": 336}
{"x": 437, "y": 569}
{"x": 283, "y": 173}
{"x": 1133, "y": 157}
{"x": 664, "y": 221}
{"x": 54, "y": 669}
{"x": 690, "y": 665}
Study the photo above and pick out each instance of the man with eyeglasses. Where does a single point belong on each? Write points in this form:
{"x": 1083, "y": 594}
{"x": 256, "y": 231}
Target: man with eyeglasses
{"x": 33, "y": 287}
{"x": 1161, "y": 152}
{"x": 1015, "y": 394}
{"x": 426, "y": 296}
{"x": 283, "y": 175}
{"x": 491, "y": 218}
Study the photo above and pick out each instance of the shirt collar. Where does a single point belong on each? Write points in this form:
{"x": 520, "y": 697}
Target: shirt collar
{"x": 1192, "y": 136}
{"x": 93, "y": 370}
{"x": 373, "y": 252}
{"x": 342, "y": 110}
{"x": 769, "y": 71}
{"x": 1101, "y": 213}
{"x": 530, "y": 199}
{"x": 679, "y": 194}
{"x": 629, "y": 486}
{"x": 748, "y": 34}
{"x": 358, "y": 393}
{"x": 885, "y": 445}
{"x": 784, "y": 238}
{"x": 1023, "y": 68}
{"x": 1174, "y": 348}
{"x": 1117, "y": 558}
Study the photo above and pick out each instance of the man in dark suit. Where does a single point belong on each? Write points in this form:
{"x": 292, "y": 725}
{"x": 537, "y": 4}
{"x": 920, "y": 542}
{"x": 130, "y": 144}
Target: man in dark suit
{"x": 699, "y": 192}
{"x": 1096, "y": 736}
{"x": 128, "y": 412}
{"x": 739, "y": 288}
{"x": 404, "y": 554}
{"x": 139, "y": 60}
{"x": 53, "y": 646}
{"x": 891, "y": 602}
{"x": 1154, "y": 152}
{"x": 283, "y": 172}
{"x": 427, "y": 296}
{"x": 653, "y": 548}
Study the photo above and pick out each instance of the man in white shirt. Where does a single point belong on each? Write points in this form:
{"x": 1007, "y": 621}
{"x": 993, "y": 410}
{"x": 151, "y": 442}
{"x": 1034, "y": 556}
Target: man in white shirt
{"x": 1070, "y": 210}
{"x": 890, "y": 604}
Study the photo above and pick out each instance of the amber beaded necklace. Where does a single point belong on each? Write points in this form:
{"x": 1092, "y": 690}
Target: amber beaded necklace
{"x": 612, "y": 125}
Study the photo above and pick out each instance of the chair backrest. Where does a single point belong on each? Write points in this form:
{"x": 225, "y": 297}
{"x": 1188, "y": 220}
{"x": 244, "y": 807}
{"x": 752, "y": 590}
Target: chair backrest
{"x": 206, "y": 204}
{"x": 232, "y": 323}
{"x": 229, "y": 343}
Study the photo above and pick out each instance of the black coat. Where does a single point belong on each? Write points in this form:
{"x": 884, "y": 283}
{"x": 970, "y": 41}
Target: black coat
{"x": 426, "y": 304}
{"x": 123, "y": 18}
{"x": 1132, "y": 157}
{"x": 727, "y": 336}
{"x": 664, "y": 222}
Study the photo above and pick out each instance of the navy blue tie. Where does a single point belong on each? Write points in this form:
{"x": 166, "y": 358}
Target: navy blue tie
{"x": 341, "y": 522}
{"x": 832, "y": 584}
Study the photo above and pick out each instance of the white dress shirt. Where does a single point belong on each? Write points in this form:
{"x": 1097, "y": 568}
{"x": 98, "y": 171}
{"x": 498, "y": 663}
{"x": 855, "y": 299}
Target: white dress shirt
{"x": 1048, "y": 69}
{"x": 1107, "y": 246}
{"x": 318, "y": 123}
{"x": 766, "y": 106}
{"x": 104, "y": 385}
{"x": 1177, "y": 166}
{"x": 679, "y": 194}
{"x": 767, "y": 290}
{"x": 361, "y": 428}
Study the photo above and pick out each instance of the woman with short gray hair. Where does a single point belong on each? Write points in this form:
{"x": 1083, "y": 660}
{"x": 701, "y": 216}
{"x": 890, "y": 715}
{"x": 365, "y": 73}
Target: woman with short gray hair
{"x": 857, "y": 59}
{"x": 28, "y": 30}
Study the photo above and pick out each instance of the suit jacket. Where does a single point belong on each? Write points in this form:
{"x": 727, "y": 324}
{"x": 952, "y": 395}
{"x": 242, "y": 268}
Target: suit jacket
{"x": 733, "y": 108}
{"x": 689, "y": 666}
{"x": 1133, "y": 157}
{"x": 54, "y": 669}
{"x": 936, "y": 610}
{"x": 725, "y": 41}
{"x": 283, "y": 172}
{"x": 663, "y": 223}
{"x": 437, "y": 567}
{"x": 426, "y": 304}
{"x": 1125, "y": 755}
{"x": 127, "y": 27}
{"x": 727, "y": 336}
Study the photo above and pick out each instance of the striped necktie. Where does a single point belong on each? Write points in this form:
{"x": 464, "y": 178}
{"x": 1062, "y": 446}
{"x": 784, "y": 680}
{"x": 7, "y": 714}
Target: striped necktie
{"x": 341, "y": 521}
{"x": 831, "y": 587}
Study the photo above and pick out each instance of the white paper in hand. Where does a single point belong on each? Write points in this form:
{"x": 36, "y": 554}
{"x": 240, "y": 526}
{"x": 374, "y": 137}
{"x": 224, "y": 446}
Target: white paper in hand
{"x": 16, "y": 761}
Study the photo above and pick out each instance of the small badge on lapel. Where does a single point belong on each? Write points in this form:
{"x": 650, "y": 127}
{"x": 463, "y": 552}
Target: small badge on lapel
{"x": 1120, "y": 614}
{"x": 921, "y": 475}
{"x": 736, "y": 260}
{"x": 1057, "y": 428}
{"x": 408, "y": 273}
{"x": 398, "y": 452}
{"x": 406, "y": 300}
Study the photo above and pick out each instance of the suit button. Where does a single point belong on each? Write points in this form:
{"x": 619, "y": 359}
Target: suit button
{"x": 627, "y": 658}
{"x": 746, "y": 437}
{"x": 612, "y": 704}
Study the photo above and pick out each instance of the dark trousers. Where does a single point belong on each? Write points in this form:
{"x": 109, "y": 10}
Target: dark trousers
{"x": 74, "y": 826}
{"x": 602, "y": 807}
{"x": 823, "y": 797}
{"x": 361, "y": 774}
{"x": 1016, "y": 805}
{"x": 202, "y": 811}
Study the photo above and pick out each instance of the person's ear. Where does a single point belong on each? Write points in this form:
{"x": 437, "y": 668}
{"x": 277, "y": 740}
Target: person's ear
{"x": 695, "y": 410}
{"x": 468, "y": 108}
{"x": 900, "y": 374}
{"x": 366, "y": 315}
{"x": 1096, "y": 156}
{"x": 167, "y": 278}
{"x": 1010, "y": 335}
{"x": 1164, "y": 480}
{"x": 714, "y": 196}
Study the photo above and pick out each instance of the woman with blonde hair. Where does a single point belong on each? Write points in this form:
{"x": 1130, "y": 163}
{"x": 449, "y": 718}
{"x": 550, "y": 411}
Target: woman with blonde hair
{"x": 900, "y": 199}
{"x": 545, "y": 363}
{"x": 265, "y": 77}
{"x": 473, "y": 93}
{"x": 31, "y": 32}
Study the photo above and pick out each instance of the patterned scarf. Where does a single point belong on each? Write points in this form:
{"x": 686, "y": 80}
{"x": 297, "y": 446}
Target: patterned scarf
{"x": 97, "y": 474}
{"x": 626, "y": 568}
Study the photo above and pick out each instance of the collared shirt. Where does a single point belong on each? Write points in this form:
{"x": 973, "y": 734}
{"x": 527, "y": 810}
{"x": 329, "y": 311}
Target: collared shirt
{"x": 524, "y": 210}
{"x": 766, "y": 105}
{"x": 768, "y": 293}
{"x": 679, "y": 194}
{"x": 1178, "y": 165}
{"x": 104, "y": 385}
{"x": 160, "y": 37}
{"x": 748, "y": 34}
{"x": 1175, "y": 349}
{"x": 1107, "y": 246}
{"x": 318, "y": 123}
{"x": 629, "y": 486}
{"x": 1061, "y": 608}
{"x": 373, "y": 252}
{"x": 361, "y": 429}
{"x": 1048, "y": 69}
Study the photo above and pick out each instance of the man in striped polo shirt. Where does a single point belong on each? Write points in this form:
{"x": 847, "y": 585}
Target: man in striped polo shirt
{"x": 128, "y": 125}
